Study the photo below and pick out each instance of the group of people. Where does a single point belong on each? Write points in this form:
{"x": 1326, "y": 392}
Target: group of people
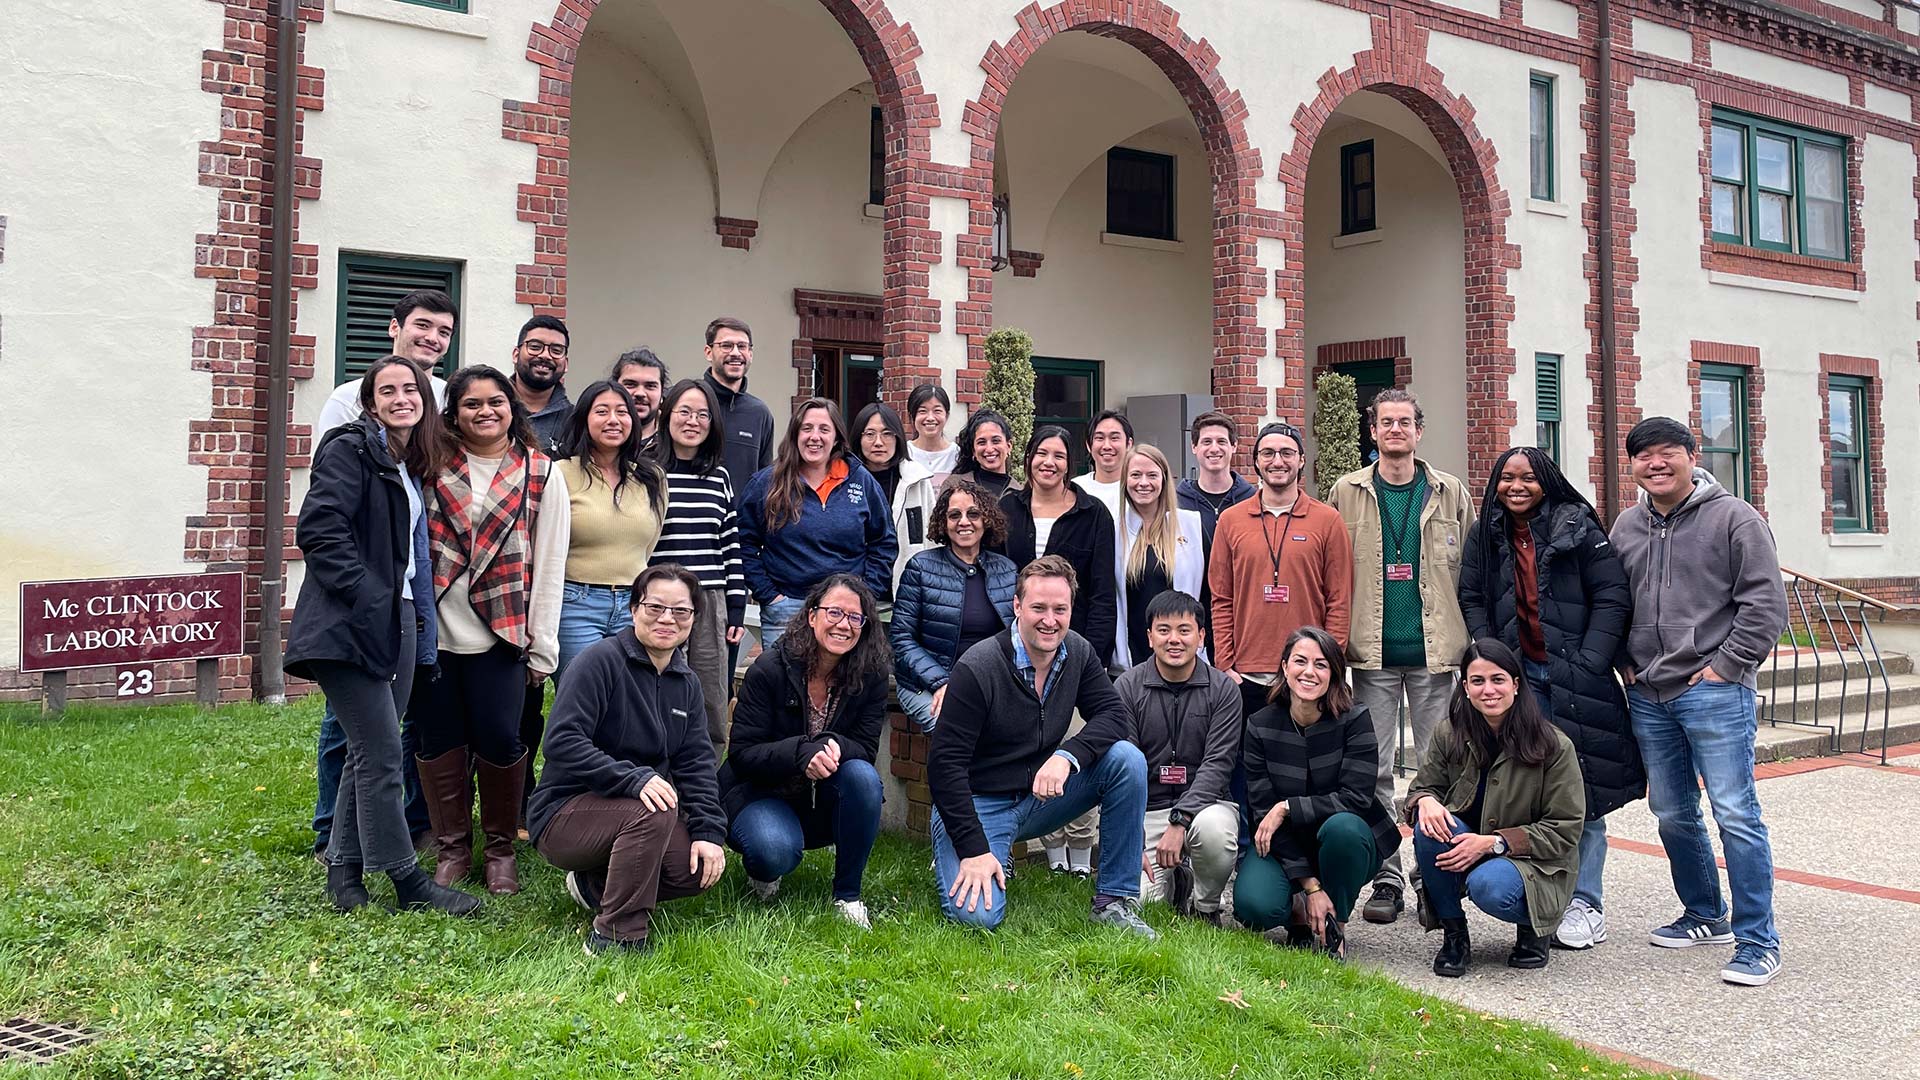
{"x": 1206, "y": 676}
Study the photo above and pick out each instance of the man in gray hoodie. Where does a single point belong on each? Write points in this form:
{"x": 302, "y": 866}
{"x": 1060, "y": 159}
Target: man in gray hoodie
{"x": 1709, "y": 608}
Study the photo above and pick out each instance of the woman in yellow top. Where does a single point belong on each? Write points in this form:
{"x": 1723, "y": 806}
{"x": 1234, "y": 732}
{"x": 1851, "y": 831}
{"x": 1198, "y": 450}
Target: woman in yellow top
{"x": 618, "y": 495}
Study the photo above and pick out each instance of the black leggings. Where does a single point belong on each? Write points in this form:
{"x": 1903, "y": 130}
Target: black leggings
{"x": 476, "y": 703}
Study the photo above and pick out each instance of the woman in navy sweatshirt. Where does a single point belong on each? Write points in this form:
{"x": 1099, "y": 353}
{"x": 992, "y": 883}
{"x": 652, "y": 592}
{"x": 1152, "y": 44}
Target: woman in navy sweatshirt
{"x": 815, "y": 511}
{"x": 628, "y": 802}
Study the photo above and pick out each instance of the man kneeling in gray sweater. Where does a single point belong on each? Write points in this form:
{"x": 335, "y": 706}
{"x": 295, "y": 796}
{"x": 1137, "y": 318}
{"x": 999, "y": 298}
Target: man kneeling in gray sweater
{"x": 1002, "y": 769}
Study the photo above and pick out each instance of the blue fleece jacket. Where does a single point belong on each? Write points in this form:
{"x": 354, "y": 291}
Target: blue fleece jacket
{"x": 852, "y": 533}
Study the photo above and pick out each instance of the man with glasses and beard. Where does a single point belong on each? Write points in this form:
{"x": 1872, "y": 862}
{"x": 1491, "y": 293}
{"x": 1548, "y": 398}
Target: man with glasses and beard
{"x": 539, "y": 365}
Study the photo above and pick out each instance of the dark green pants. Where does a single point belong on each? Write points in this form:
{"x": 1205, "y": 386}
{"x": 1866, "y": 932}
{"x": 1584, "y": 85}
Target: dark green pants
{"x": 1263, "y": 895}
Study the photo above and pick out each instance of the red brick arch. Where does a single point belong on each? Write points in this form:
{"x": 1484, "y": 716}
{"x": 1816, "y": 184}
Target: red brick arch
{"x": 890, "y": 51}
{"x": 1192, "y": 65}
{"x": 1397, "y": 67}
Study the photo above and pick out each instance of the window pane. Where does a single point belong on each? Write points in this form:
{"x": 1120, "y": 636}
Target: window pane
{"x": 1774, "y": 224}
{"x": 1718, "y": 421}
{"x": 1822, "y": 170}
{"x": 1825, "y": 226}
{"x": 1363, "y": 167}
{"x": 1062, "y": 396}
{"x": 1729, "y": 152}
{"x": 1725, "y": 468}
{"x": 1540, "y": 140}
{"x": 1846, "y": 489}
{"x": 1773, "y": 161}
{"x": 1363, "y": 205}
{"x": 1726, "y": 209}
{"x": 863, "y": 389}
{"x": 1840, "y": 420}
{"x": 1140, "y": 193}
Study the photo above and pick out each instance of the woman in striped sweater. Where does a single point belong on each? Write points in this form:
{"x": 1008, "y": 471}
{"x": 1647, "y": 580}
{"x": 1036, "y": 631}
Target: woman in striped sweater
{"x": 700, "y": 534}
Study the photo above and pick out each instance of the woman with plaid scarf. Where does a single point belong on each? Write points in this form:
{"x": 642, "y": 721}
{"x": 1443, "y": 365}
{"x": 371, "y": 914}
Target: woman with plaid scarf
{"x": 498, "y": 522}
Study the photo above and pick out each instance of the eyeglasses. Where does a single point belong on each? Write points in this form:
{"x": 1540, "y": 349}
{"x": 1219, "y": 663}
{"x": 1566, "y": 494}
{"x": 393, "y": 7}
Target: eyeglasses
{"x": 969, "y": 514}
{"x": 836, "y": 616}
{"x": 1396, "y": 423}
{"x": 731, "y": 347}
{"x": 701, "y": 415}
{"x": 547, "y": 348}
{"x": 681, "y": 615}
{"x": 1269, "y": 455}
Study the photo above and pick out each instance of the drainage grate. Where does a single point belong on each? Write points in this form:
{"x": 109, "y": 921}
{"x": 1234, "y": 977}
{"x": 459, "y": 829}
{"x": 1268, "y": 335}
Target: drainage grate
{"x": 32, "y": 1041}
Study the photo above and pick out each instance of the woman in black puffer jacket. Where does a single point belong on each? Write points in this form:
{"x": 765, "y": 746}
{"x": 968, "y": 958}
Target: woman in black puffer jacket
{"x": 1564, "y": 605}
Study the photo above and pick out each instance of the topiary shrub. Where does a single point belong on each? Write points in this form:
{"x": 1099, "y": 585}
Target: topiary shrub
{"x": 1336, "y": 429}
{"x": 1008, "y": 390}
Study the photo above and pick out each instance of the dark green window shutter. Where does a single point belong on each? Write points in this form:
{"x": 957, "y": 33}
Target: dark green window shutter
{"x": 369, "y": 287}
{"x": 1546, "y": 386}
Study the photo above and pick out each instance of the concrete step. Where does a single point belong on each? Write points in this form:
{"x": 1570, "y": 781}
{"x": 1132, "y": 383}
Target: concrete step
{"x": 1810, "y": 667}
{"x": 1826, "y": 702}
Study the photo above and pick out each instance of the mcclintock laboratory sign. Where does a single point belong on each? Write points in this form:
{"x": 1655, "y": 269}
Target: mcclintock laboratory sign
{"x": 119, "y": 622}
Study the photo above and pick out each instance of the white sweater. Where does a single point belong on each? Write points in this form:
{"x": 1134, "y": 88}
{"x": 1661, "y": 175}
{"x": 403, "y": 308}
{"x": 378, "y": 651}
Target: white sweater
{"x": 1188, "y": 571}
{"x": 463, "y": 631}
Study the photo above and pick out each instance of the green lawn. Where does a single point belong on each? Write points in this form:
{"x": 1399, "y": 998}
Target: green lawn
{"x": 155, "y": 885}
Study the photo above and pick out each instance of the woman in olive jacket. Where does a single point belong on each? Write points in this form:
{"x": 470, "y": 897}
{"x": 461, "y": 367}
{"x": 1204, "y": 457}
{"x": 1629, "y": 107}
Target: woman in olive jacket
{"x": 1496, "y": 810}
{"x": 806, "y": 731}
{"x": 1539, "y": 575}
{"x": 356, "y": 628}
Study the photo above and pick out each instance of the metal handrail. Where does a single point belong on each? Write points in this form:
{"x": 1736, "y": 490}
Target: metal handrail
{"x": 1834, "y": 619}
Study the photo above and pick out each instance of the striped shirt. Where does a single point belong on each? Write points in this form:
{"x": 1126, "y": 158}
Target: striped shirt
{"x": 1327, "y": 768}
{"x": 700, "y": 533}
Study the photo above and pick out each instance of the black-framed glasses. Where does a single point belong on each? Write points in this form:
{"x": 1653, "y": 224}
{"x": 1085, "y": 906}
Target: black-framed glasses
{"x": 653, "y": 611}
{"x": 836, "y": 616}
{"x": 555, "y": 349}
{"x": 1269, "y": 454}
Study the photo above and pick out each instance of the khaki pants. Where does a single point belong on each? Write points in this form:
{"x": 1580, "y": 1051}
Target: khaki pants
{"x": 1213, "y": 844}
{"x": 1427, "y": 694}
{"x": 707, "y": 656}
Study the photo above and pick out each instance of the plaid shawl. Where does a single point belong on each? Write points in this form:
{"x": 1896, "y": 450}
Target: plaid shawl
{"x": 498, "y": 551}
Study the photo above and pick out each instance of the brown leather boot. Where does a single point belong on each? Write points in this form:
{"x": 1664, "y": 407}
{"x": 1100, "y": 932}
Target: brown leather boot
{"x": 447, "y": 782}
{"x": 500, "y": 790}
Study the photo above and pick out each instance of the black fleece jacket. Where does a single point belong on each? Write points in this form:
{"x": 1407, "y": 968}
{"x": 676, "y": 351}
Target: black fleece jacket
{"x": 617, "y": 722}
{"x": 768, "y": 748}
{"x": 994, "y": 734}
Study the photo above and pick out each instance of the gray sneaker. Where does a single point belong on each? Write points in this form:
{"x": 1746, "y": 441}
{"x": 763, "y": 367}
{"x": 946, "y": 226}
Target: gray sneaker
{"x": 1124, "y": 914}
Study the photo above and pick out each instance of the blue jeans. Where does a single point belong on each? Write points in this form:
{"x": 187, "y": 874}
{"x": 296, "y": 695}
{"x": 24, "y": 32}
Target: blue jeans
{"x": 1593, "y": 834}
{"x": 772, "y": 833}
{"x": 918, "y": 705}
{"x": 1117, "y": 784}
{"x": 589, "y": 614}
{"x": 1494, "y": 884}
{"x": 774, "y": 616}
{"x": 332, "y": 758}
{"x": 1708, "y": 732}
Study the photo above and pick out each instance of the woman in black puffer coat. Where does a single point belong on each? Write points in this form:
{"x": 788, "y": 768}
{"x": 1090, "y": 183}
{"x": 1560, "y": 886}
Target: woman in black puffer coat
{"x": 1564, "y": 605}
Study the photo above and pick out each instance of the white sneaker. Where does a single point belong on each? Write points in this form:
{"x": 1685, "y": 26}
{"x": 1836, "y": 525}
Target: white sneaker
{"x": 765, "y": 890}
{"x": 1581, "y": 927}
{"x": 854, "y": 912}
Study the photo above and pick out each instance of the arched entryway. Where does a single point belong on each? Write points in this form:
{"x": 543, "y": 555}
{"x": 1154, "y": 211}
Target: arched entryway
{"x": 669, "y": 188}
{"x": 1400, "y": 222}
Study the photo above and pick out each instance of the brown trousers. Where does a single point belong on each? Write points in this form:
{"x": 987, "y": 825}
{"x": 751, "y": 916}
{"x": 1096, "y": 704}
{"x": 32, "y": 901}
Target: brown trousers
{"x": 638, "y": 856}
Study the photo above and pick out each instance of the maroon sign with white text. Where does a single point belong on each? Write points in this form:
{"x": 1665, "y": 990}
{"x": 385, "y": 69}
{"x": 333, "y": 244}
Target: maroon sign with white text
{"x": 113, "y": 622}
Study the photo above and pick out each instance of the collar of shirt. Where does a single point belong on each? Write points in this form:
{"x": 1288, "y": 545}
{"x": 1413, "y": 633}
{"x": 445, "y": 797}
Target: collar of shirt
{"x": 1024, "y": 664}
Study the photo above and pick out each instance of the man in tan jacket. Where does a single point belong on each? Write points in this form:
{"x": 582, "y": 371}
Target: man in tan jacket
{"x": 1408, "y": 522}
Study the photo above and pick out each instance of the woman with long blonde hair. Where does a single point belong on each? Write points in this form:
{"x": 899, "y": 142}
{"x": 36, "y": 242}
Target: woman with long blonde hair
{"x": 1159, "y": 548}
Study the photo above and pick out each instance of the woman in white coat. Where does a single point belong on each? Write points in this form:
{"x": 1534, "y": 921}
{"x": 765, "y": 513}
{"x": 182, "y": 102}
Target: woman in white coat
{"x": 1158, "y": 547}
{"x": 908, "y": 484}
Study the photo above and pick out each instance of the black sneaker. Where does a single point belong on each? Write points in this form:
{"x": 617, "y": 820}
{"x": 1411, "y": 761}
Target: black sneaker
{"x": 598, "y": 943}
{"x": 585, "y": 890}
{"x": 1180, "y": 889}
{"x": 1385, "y": 905}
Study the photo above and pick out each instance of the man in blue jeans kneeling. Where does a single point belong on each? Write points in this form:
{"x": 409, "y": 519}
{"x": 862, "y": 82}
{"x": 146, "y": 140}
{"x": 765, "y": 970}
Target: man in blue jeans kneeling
{"x": 1708, "y": 609}
{"x": 1000, "y": 771}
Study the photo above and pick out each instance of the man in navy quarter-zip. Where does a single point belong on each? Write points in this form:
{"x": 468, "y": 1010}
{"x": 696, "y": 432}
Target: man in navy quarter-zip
{"x": 1708, "y": 609}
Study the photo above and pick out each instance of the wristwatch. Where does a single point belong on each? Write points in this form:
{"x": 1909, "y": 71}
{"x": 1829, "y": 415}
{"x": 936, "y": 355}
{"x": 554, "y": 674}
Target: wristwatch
{"x": 1499, "y": 844}
{"x": 1180, "y": 818}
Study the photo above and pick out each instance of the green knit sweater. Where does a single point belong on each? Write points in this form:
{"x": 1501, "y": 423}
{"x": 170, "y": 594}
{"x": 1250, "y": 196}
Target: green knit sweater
{"x": 1403, "y": 636}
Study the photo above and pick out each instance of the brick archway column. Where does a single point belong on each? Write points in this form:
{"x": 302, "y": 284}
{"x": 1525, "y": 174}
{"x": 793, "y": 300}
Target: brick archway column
{"x": 1192, "y": 65}
{"x": 1397, "y": 67}
{"x": 890, "y": 51}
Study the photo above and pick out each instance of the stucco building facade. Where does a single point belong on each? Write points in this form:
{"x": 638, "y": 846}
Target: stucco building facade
{"x": 1204, "y": 197}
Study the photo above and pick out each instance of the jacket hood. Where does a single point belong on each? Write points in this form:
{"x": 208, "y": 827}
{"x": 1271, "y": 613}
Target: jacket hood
{"x": 367, "y": 432}
{"x": 1705, "y": 489}
{"x": 911, "y": 471}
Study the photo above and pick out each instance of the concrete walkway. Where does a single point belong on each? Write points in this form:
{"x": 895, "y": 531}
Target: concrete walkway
{"x": 1847, "y": 902}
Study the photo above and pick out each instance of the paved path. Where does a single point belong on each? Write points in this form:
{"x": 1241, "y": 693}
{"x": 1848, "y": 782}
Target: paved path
{"x": 1847, "y": 901}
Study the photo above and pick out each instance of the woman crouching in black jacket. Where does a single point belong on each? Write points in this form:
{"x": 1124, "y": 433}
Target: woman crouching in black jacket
{"x": 806, "y": 730}
{"x": 628, "y": 802}
{"x": 1539, "y": 576}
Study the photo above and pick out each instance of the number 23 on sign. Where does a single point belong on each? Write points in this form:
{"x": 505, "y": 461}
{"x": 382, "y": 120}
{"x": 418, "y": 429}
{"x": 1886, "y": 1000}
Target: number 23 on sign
{"x": 133, "y": 682}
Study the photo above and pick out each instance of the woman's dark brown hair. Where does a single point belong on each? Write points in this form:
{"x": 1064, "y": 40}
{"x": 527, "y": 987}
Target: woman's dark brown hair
{"x": 426, "y": 452}
{"x": 785, "y": 488}
{"x": 1526, "y": 735}
{"x": 993, "y": 523}
{"x": 1339, "y": 697}
{"x": 871, "y": 658}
